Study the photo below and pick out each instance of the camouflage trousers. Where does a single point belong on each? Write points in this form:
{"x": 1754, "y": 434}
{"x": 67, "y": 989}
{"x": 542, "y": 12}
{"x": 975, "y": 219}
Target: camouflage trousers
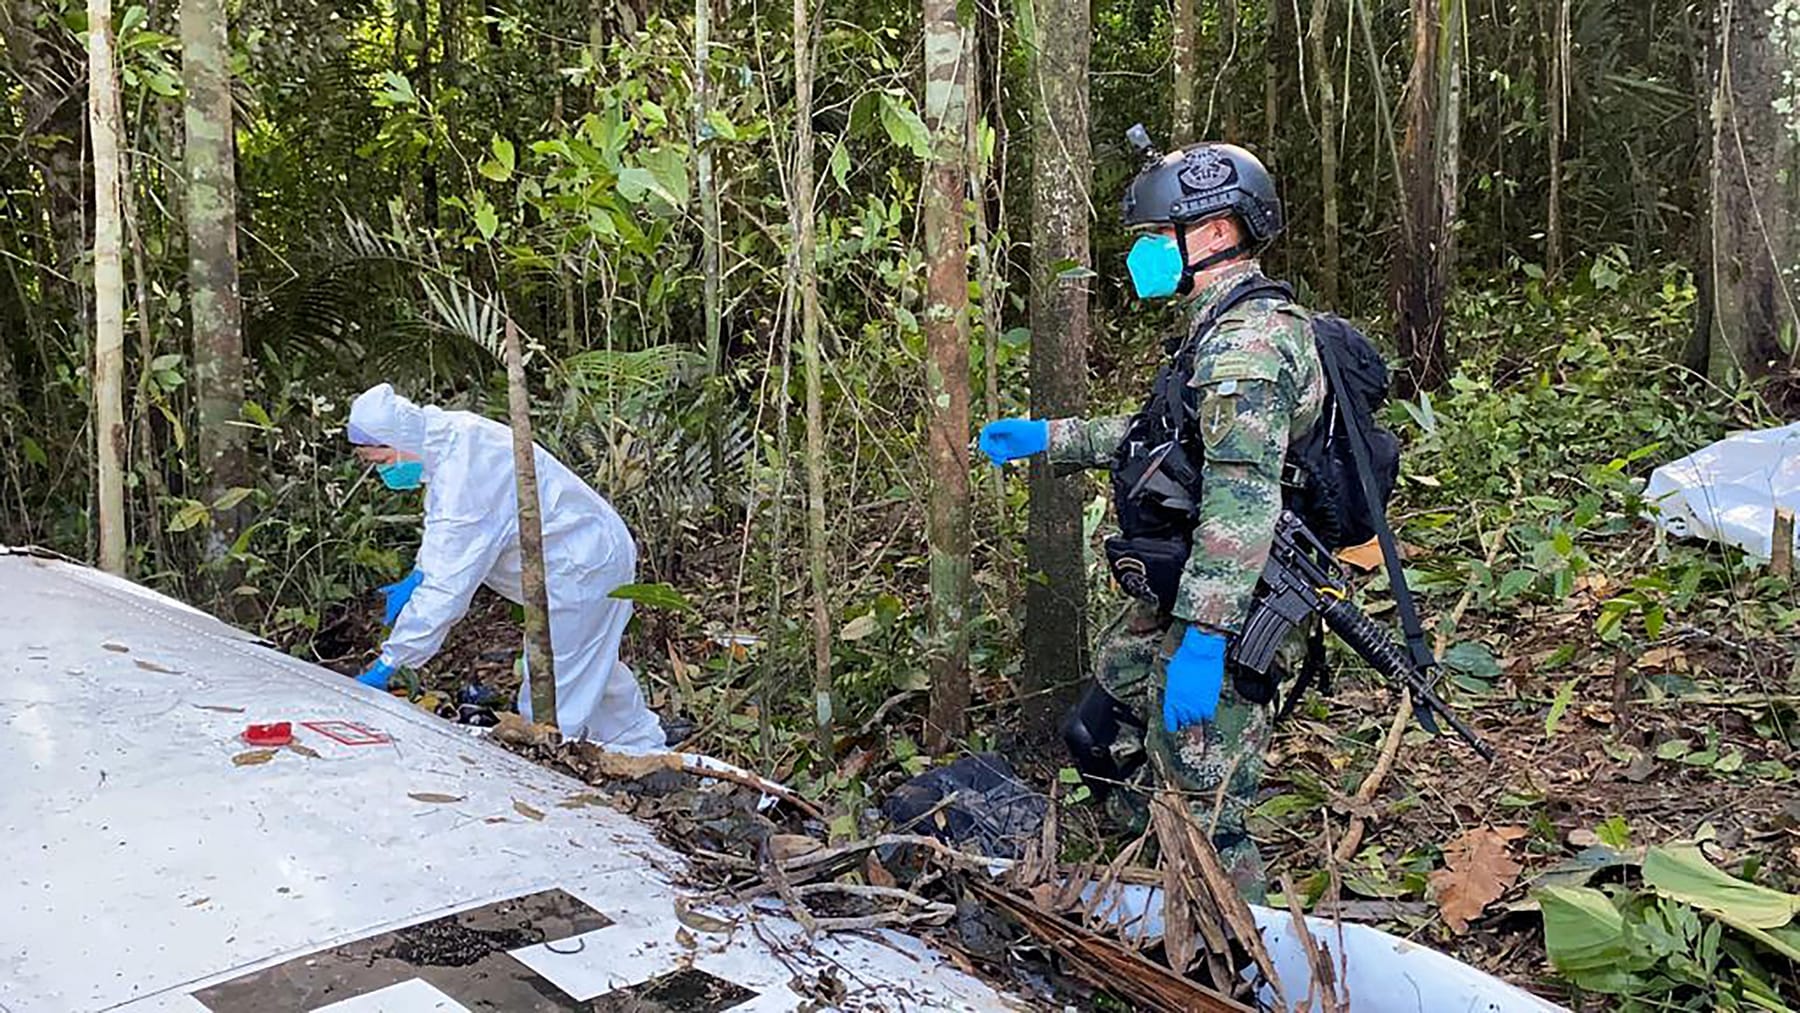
{"x": 1217, "y": 765}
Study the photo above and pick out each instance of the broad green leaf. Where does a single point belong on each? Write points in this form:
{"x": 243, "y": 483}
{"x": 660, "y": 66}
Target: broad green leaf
{"x": 230, "y": 498}
{"x": 1471, "y": 657}
{"x": 503, "y": 153}
{"x": 669, "y": 170}
{"x": 34, "y": 452}
{"x": 494, "y": 171}
{"x": 660, "y": 596}
{"x": 1673, "y": 749}
{"x": 255, "y": 413}
{"x": 1681, "y": 873}
{"x": 721, "y": 125}
{"x": 858, "y": 628}
{"x": 487, "y": 220}
{"x": 1560, "y": 706}
{"x": 1587, "y": 938}
{"x": 192, "y": 512}
{"x": 840, "y": 165}
{"x": 903, "y": 126}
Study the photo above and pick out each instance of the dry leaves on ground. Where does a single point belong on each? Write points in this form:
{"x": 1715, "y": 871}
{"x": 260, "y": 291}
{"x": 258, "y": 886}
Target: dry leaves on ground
{"x": 1477, "y": 870}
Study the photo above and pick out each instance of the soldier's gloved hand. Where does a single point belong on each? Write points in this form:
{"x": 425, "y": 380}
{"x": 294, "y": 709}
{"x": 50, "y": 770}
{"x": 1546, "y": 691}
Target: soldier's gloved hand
{"x": 1194, "y": 677}
{"x": 396, "y": 595}
{"x": 1006, "y": 440}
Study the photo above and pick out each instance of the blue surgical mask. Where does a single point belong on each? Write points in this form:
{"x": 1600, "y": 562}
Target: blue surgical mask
{"x": 1155, "y": 266}
{"x": 401, "y": 475}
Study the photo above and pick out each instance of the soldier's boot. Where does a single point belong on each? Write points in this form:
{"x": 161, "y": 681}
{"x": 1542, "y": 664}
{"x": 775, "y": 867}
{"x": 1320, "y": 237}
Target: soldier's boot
{"x": 1243, "y": 862}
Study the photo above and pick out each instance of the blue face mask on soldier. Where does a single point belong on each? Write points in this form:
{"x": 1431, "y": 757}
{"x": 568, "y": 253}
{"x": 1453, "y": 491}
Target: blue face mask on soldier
{"x": 1155, "y": 266}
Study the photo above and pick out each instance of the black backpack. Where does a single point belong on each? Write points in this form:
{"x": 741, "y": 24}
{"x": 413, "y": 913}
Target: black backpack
{"x": 1323, "y": 485}
{"x": 1156, "y": 468}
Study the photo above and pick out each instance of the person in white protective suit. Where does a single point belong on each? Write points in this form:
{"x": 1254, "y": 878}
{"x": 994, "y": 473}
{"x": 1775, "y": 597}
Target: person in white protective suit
{"x": 465, "y": 463}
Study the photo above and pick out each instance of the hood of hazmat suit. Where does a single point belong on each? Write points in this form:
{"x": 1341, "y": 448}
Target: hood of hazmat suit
{"x": 472, "y": 538}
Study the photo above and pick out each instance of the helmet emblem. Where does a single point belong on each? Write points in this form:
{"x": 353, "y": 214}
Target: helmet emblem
{"x": 1205, "y": 169}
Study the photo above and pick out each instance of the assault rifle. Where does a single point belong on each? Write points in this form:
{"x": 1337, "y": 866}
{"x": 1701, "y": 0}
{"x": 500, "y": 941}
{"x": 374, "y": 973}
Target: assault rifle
{"x": 1302, "y": 579}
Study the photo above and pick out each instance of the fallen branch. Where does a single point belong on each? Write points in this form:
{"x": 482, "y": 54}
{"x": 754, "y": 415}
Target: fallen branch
{"x": 633, "y": 767}
{"x": 1322, "y": 989}
{"x": 1390, "y": 746}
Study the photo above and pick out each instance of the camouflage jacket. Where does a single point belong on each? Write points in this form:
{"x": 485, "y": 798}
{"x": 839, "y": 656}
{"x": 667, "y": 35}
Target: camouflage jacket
{"x": 1259, "y": 386}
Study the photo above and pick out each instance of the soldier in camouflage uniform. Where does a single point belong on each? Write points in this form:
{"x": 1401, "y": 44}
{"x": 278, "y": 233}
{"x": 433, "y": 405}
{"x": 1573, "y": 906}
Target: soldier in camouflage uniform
{"x": 1257, "y": 384}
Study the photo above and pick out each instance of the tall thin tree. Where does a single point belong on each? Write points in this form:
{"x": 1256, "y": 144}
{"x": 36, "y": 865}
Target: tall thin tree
{"x": 1183, "y": 55}
{"x": 109, "y": 287}
{"x": 1328, "y": 151}
{"x": 1429, "y": 161}
{"x": 708, "y": 194}
{"x": 1755, "y": 207}
{"x": 806, "y": 266}
{"x": 540, "y": 654}
{"x": 212, "y": 256}
{"x": 1056, "y": 596}
{"x": 1556, "y": 95}
{"x": 946, "y": 325}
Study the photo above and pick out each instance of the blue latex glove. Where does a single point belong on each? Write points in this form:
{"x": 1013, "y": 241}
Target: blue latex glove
{"x": 377, "y": 675}
{"x": 397, "y": 595}
{"x": 1195, "y": 676}
{"x": 1010, "y": 439}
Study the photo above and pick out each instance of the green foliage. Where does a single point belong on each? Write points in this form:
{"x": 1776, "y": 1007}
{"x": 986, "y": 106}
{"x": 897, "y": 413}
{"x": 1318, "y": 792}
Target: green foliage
{"x": 1667, "y": 947}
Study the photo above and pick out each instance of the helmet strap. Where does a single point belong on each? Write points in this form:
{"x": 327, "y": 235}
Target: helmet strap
{"x": 1211, "y": 260}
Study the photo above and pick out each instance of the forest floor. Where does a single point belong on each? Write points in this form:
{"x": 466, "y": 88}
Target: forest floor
{"x": 1603, "y": 749}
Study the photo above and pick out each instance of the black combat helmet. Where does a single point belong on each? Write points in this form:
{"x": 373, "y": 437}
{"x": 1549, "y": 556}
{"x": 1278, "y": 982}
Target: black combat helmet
{"x": 1202, "y": 181}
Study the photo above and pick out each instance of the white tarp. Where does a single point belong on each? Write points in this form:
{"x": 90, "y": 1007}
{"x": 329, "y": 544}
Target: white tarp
{"x": 1729, "y": 491}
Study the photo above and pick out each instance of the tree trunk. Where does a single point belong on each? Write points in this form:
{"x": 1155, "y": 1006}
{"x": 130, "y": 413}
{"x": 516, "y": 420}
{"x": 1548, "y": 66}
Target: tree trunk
{"x": 1328, "y": 153}
{"x": 946, "y": 324}
{"x": 1755, "y": 196}
{"x": 212, "y": 260}
{"x": 1557, "y": 99}
{"x": 540, "y": 656}
{"x": 1272, "y": 82}
{"x": 988, "y": 273}
{"x": 1183, "y": 55}
{"x": 109, "y": 288}
{"x": 1056, "y": 597}
{"x": 1428, "y": 163}
{"x": 1222, "y": 80}
{"x": 805, "y": 257}
{"x": 708, "y": 194}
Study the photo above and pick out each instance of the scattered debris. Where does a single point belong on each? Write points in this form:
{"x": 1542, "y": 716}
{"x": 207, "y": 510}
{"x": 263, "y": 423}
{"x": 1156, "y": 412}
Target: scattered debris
{"x": 277, "y": 734}
{"x": 432, "y": 796}
{"x": 251, "y": 758}
{"x": 115, "y": 648}
{"x": 527, "y": 811}
{"x": 151, "y": 666}
{"x": 978, "y": 800}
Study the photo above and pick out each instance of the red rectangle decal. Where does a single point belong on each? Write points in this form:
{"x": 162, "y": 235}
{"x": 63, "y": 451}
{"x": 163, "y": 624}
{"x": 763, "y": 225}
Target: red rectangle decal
{"x": 348, "y": 733}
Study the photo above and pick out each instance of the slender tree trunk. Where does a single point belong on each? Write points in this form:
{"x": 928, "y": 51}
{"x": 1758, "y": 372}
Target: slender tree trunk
{"x": 988, "y": 274}
{"x": 1272, "y": 81}
{"x": 708, "y": 194}
{"x": 212, "y": 260}
{"x": 1056, "y": 599}
{"x": 1222, "y": 80}
{"x": 1328, "y": 153}
{"x": 109, "y": 287}
{"x": 806, "y": 266}
{"x": 1557, "y": 99}
{"x": 1429, "y": 162}
{"x": 1755, "y": 196}
{"x": 540, "y": 655}
{"x": 946, "y": 326}
{"x": 1183, "y": 55}
{"x": 426, "y": 86}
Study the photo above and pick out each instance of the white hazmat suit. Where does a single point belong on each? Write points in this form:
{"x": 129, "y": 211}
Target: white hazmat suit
{"x": 472, "y": 538}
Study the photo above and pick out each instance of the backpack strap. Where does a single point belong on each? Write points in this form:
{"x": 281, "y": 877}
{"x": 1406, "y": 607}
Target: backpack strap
{"x": 1422, "y": 657}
